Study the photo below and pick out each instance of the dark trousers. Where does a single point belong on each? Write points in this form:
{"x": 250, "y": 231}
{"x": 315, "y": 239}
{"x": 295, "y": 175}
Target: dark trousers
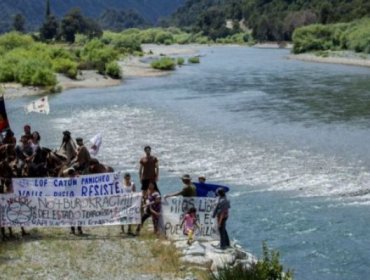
{"x": 225, "y": 242}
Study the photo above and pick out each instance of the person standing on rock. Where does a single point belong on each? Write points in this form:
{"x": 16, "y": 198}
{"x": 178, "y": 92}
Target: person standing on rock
{"x": 83, "y": 157}
{"x": 221, "y": 213}
{"x": 68, "y": 148}
{"x": 149, "y": 169}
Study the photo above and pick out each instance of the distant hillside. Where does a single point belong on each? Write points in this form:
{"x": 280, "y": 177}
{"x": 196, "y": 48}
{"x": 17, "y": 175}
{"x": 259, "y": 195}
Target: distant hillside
{"x": 270, "y": 19}
{"x": 34, "y": 10}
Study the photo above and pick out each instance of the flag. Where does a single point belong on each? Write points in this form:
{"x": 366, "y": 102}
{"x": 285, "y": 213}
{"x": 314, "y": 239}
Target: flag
{"x": 39, "y": 106}
{"x": 96, "y": 142}
{"x": 208, "y": 190}
{"x": 4, "y": 123}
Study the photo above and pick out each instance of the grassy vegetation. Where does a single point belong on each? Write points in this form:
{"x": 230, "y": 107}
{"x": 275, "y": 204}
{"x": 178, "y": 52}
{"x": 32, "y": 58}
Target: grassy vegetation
{"x": 354, "y": 36}
{"x": 164, "y": 63}
{"x": 194, "y": 59}
{"x": 180, "y": 61}
{"x": 28, "y": 62}
{"x": 133, "y": 37}
{"x": 102, "y": 253}
{"x": 268, "y": 267}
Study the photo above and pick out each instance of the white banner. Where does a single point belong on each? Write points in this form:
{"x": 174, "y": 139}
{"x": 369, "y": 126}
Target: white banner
{"x": 66, "y": 211}
{"x": 84, "y": 185}
{"x": 38, "y": 106}
{"x": 175, "y": 208}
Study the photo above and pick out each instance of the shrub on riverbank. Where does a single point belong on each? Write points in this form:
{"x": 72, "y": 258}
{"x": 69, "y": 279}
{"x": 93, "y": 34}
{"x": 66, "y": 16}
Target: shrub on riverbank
{"x": 113, "y": 70}
{"x": 65, "y": 66}
{"x": 180, "y": 61}
{"x": 96, "y": 55}
{"x": 194, "y": 59}
{"x": 268, "y": 267}
{"x": 353, "y": 36}
{"x": 32, "y": 63}
{"x": 164, "y": 63}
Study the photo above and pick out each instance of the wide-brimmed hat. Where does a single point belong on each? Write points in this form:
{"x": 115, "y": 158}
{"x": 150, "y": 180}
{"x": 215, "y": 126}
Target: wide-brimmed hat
{"x": 186, "y": 177}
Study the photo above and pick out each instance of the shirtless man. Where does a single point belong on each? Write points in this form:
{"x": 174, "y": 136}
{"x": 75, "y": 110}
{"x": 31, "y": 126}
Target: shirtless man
{"x": 149, "y": 169}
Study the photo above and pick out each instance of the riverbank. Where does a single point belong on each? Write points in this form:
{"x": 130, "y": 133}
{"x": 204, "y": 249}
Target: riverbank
{"x": 132, "y": 67}
{"x": 338, "y": 57}
{"x": 106, "y": 253}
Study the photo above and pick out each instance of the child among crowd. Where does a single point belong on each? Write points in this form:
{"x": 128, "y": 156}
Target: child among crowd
{"x": 189, "y": 223}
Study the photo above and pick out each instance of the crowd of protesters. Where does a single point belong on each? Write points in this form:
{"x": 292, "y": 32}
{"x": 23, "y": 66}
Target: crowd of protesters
{"x": 77, "y": 160}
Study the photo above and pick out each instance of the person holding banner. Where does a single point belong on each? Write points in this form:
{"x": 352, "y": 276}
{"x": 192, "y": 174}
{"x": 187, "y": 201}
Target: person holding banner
{"x": 188, "y": 190}
{"x": 221, "y": 212}
{"x": 152, "y": 208}
{"x": 128, "y": 187}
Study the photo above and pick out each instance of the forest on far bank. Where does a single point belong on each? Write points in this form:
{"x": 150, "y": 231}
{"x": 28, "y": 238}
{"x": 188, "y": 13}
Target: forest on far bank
{"x": 269, "y": 20}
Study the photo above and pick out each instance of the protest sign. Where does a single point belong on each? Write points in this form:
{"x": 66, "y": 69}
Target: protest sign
{"x": 175, "y": 208}
{"x": 69, "y": 211}
{"x": 84, "y": 185}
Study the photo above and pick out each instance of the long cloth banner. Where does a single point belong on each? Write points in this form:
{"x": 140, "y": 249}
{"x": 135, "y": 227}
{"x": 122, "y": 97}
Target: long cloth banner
{"x": 175, "y": 208}
{"x": 84, "y": 185}
{"x": 70, "y": 211}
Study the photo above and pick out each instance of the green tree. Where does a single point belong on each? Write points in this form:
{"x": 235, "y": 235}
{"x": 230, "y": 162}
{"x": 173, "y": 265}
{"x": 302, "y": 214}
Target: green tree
{"x": 48, "y": 10}
{"x": 74, "y": 22}
{"x": 19, "y": 23}
{"x": 50, "y": 28}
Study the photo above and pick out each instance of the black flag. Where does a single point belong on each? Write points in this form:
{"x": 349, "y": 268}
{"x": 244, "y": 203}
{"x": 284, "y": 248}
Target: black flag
{"x": 4, "y": 123}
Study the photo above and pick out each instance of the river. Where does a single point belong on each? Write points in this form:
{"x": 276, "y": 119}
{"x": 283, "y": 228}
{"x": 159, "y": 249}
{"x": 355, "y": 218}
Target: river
{"x": 290, "y": 138}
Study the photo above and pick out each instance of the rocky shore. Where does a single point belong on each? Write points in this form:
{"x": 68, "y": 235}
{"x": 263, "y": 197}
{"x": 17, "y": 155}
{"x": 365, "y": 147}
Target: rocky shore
{"x": 204, "y": 255}
{"x": 344, "y": 58}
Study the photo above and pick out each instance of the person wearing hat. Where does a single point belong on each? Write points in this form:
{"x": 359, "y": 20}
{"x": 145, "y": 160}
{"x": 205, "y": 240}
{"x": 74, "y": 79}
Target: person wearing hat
{"x": 188, "y": 190}
{"x": 83, "y": 156}
{"x": 221, "y": 213}
{"x": 202, "y": 179}
{"x": 149, "y": 169}
{"x": 68, "y": 148}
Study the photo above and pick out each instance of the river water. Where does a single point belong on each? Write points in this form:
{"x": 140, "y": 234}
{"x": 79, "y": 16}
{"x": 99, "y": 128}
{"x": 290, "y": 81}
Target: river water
{"x": 291, "y": 138}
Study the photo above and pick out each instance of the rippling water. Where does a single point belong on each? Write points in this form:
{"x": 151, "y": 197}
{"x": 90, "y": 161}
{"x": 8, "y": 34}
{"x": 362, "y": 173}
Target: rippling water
{"x": 291, "y": 138}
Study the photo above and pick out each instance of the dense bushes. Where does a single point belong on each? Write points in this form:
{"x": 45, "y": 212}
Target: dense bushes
{"x": 268, "y": 267}
{"x": 113, "y": 70}
{"x": 194, "y": 59}
{"x": 65, "y": 66}
{"x": 344, "y": 36}
{"x": 180, "y": 61}
{"x": 31, "y": 63}
{"x": 164, "y": 63}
